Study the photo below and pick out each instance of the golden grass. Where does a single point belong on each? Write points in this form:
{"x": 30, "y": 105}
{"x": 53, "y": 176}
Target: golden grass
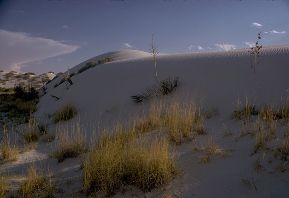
{"x": 9, "y": 152}
{"x": 210, "y": 150}
{"x": 36, "y": 185}
{"x": 65, "y": 113}
{"x": 127, "y": 158}
{"x": 246, "y": 111}
{"x": 31, "y": 132}
{"x": 3, "y": 187}
{"x": 70, "y": 142}
{"x": 182, "y": 120}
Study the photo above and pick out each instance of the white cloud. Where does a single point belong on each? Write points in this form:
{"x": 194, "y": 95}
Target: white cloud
{"x": 200, "y": 48}
{"x": 225, "y": 47}
{"x": 277, "y": 32}
{"x": 127, "y": 45}
{"x": 19, "y": 48}
{"x": 191, "y": 47}
{"x": 250, "y": 44}
{"x": 255, "y": 24}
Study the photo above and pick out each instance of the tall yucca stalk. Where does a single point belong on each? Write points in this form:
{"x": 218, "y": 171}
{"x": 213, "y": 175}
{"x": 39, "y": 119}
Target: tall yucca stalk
{"x": 154, "y": 54}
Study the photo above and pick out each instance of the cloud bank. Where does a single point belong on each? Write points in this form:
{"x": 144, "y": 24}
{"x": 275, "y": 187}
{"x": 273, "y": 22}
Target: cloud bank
{"x": 19, "y": 48}
{"x": 275, "y": 32}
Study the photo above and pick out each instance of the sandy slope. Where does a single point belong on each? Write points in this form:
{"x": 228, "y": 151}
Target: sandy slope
{"x": 215, "y": 79}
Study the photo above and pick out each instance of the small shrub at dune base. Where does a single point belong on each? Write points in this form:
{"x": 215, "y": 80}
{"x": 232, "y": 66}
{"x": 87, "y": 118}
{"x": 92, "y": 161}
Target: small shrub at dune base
{"x": 245, "y": 112}
{"x": 3, "y": 187}
{"x": 31, "y": 132}
{"x": 283, "y": 150}
{"x": 64, "y": 114}
{"x": 127, "y": 159}
{"x": 36, "y": 185}
{"x": 9, "y": 152}
{"x": 70, "y": 143}
{"x": 211, "y": 150}
{"x": 182, "y": 121}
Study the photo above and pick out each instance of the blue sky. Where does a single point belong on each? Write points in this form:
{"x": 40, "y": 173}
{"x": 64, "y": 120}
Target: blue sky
{"x": 53, "y": 35}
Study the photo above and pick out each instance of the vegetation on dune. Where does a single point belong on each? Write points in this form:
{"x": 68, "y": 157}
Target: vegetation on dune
{"x": 36, "y": 185}
{"x": 126, "y": 158}
{"x": 70, "y": 143}
{"x": 164, "y": 87}
{"x": 65, "y": 113}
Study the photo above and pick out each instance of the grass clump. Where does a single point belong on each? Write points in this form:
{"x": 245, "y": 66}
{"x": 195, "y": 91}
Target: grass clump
{"x": 125, "y": 158}
{"x": 211, "y": 150}
{"x": 9, "y": 152}
{"x": 36, "y": 185}
{"x": 31, "y": 132}
{"x": 164, "y": 87}
{"x": 64, "y": 114}
{"x": 245, "y": 112}
{"x": 70, "y": 143}
{"x": 3, "y": 187}
{"x": 182, "y": 121}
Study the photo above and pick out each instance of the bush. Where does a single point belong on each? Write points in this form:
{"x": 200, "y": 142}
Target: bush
{"x": 36, "y": 185}
{"x": 9, "y": 152}
{"x": 31, "y": 132}
{"x": 3, "y": 187}
{"x": 116, "y": 161}
{"x": 164, "y": 87}
{"x": 71, "y": 143}
{"x": 87, "y": 66}
{"x": 64, "y": 114}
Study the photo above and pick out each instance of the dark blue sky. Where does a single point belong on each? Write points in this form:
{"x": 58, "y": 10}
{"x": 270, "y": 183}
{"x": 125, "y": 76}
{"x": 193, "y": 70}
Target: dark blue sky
{"x": 44, "y": 35}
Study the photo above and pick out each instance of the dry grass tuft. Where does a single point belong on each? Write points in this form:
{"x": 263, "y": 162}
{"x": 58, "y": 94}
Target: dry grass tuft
{"x": 36, "y": 185}
{"x": 3, "y": 187}
{"x": 64, "y": 114}
{"x": 70, "y": 142}
{"x": 31, "y": 132}
{"x": 9, "y": 152}
{"x": 211, "y": 150}
{"x": 183, "y": 121}
{"x": 125, "y": 158}
{"x": 245, "y": 112}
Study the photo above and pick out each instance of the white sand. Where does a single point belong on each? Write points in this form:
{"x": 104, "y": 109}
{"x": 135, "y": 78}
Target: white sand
{"x": 215, "y": 79}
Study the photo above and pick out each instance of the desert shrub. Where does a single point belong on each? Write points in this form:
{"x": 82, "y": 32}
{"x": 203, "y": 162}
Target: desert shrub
{"x": 104, "y": 60}
{"x": 211, "y": 150}
{"x": 168, "y": 85}
{"x": 87, "y": 66}
{"x": 116, "y": 161}
{"x": 182, "y": 121}
{"x": 31, "y": 131}
{"x": 36, "y": 185}
{"x": 70, "y": 143}
{"x": 64, "y": 114}
{"x": 3, "y": 187}
{"x": 164, "y": 87}
{"x": 245, "y": 112}
{"x": 9, "y": 152}
{"x": 30, "y": 94}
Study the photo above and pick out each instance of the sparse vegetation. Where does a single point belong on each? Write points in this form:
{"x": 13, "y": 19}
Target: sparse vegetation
{"x": 126, "y": 158}
{"x": 182, "y": 121}
{"x": 31, "y": 131}
{"x": 3, "y": 187}
{"x": 104, "y": 60}
{"x": 211, "y": 150}
{"x": 70, "y": 142}
{"x": 64, "y": 114}
{"x": 36, "y": 185}
{"x": 164, "y": 87}
{"x": 245, "y": 112}
{"x": 9, "y": 152}
{"x": 87, "y": 66}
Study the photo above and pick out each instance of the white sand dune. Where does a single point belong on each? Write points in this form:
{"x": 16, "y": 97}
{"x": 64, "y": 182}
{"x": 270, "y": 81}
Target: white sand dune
{"x": 217, "y": 79}
{"x": 214, "y": 79}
